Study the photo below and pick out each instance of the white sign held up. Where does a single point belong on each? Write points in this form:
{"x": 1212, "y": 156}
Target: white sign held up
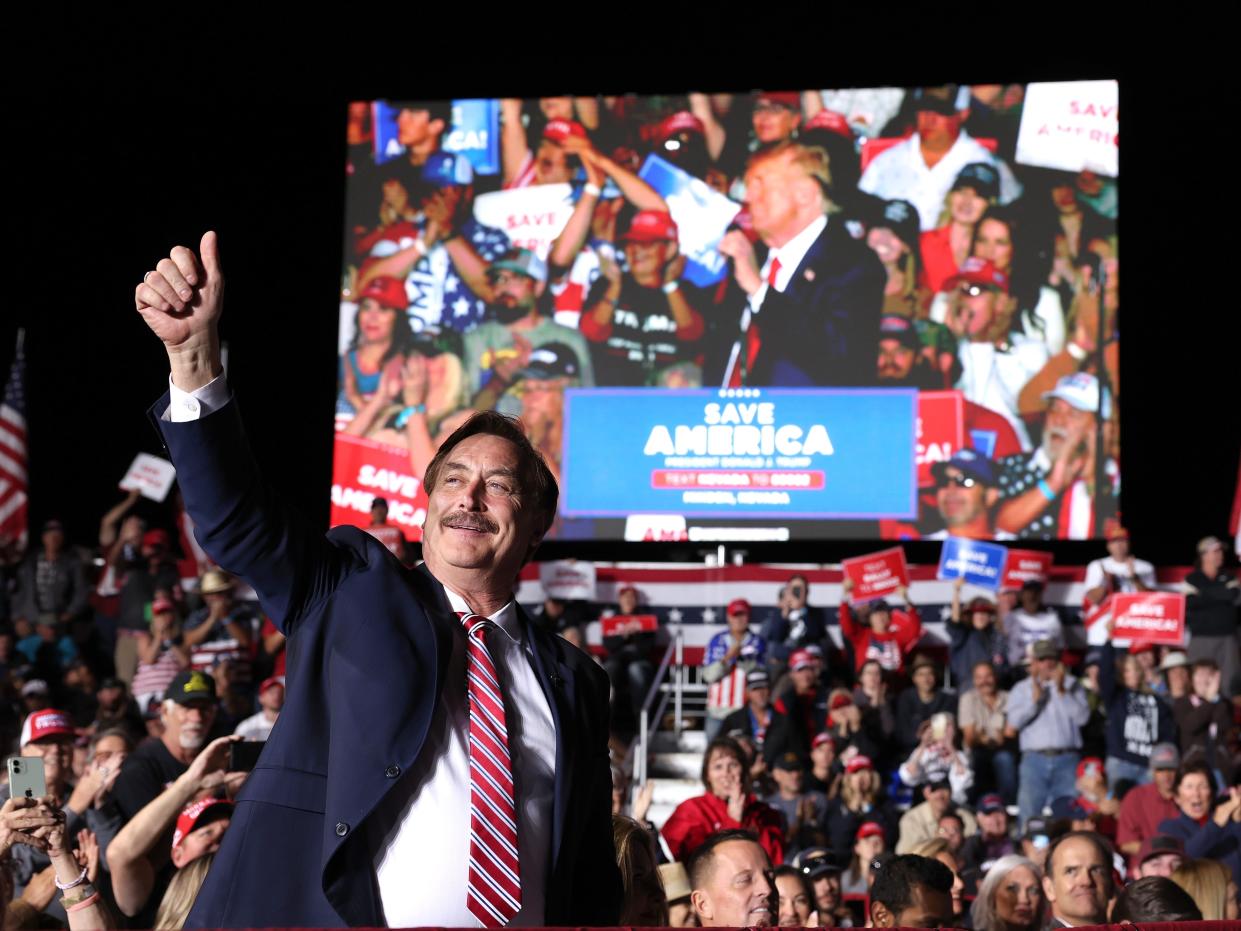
{"x": 1071, "y": 125}
{"x": 150, "y": 475}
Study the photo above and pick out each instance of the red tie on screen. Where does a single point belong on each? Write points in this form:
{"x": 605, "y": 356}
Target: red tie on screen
{"x": 752, "y": 339}
{"x": 493, "y": 895}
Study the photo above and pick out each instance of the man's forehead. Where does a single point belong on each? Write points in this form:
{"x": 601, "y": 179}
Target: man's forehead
{"x": 1077, "y": 851}
{"x": 484, "y": 449}
{"x": 737, "y": 856}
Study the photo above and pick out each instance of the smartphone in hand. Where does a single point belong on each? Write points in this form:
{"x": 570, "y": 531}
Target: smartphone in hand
{"x": 243, "y": 755}
{"x": 26, "y": 777}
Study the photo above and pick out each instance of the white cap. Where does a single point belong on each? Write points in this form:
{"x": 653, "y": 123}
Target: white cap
{"x": 35, "y": 687}
{"x": 1081, "y": 390}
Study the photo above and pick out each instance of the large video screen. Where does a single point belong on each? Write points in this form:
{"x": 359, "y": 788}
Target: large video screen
{"x": 883, "y": 313}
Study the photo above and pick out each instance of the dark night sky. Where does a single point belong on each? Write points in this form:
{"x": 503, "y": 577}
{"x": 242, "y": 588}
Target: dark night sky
{"x": 114, "y": 164}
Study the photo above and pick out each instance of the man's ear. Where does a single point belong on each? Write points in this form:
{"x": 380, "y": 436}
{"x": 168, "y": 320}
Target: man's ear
{"x": 880, "y": 917}
{"x": 437, "y": 126}
{"x": 701, "y": 904}
{"x": 1049, "y": 889}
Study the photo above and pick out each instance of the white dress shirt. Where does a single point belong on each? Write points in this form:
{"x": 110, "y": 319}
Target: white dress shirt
{"x": 790, "y": 256}
{"x": 420, "y": 831}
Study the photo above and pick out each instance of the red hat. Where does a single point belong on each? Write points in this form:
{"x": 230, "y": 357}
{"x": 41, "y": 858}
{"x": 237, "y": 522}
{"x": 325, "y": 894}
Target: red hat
{"x": 269, "y": 682}
{"x": 388, "y": 292}
{"x": 626, "y": 588}
{"x": 161, "y": 604}
{"x": 737, "y": 605}
{"x": 869, "y": 829}
{"x": 840, "y": 700}
{"x": 1089, "y": 763}
{"x": 192, "y": 813}
{"x": 861, "y": 761}
{"x": 790, "y": 99}
{"x": 980, "y": 272}
{"x": 156, "y": 537}
{"x": 680, "y": 122}
{"x": 46, "y": 723}
{"x": 823, "y": 737}
{"x": 1115, "y": 531}
{"x": 560, "y": 130}
{"x": 1140, "y": 646}
{"x": 652, "y": 226}
{"x": 830, "y": 121}
{"x": 802, "y": 659}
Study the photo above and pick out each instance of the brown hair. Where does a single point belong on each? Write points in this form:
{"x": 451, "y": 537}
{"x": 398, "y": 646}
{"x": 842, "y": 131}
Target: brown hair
{"x": 533, "y": 476}
{"x": 731, "y": 748}
{"x": 632, "y": 841}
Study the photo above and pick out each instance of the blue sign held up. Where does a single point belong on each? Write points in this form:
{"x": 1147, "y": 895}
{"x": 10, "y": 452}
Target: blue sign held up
{"x": 475, "y": 133}
{"x": 702, "y": 217}
{"x": 979, "y": 563}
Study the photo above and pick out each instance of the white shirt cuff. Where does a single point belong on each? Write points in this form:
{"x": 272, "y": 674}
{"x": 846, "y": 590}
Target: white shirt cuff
{"x": 191, "y": 405}
{"x": 756, "y": 299}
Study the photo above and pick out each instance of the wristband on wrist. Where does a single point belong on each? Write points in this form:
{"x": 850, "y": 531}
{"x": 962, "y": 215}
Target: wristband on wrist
{"x": 403, "y": 417}
{"x": 592, "y": 189}
{"x": 671, "y": 286}
{"x": 77, "y": 882}
{"x": 1045, "y": 490}
{"x": 85, "y": 903}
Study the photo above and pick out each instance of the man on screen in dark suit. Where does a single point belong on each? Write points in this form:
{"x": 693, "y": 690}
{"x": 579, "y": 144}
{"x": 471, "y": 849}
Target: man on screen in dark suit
{"x": 812, "y": 307}
{"x": 416, "y": 776}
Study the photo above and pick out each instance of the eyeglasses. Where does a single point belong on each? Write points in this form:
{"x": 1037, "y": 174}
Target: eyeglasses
{"x": 961, "y": 481}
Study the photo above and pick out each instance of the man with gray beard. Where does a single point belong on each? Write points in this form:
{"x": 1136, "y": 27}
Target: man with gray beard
{"x": 1050, "y": 494}
{"x": 188, "y": 712}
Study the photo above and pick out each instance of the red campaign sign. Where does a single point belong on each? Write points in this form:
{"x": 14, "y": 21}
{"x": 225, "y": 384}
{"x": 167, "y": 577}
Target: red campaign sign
{"x": 1023, "y": 566}
{"x": 876, "y": 575}
{"x": 1152, "y": 617}
{"x": 737, "y": 478}
{"x": 363, "y": 469}
{"x": 941, "y": 430}
{"x": 622, "y": 625}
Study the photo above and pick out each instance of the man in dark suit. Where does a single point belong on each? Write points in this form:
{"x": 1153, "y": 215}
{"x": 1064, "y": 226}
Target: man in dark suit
{"x": 812, "y": 307}
{"x": 391, "y": 791}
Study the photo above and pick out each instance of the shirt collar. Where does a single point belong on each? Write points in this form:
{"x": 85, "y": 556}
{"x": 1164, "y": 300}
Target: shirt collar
{"x": 506, "y": 618}
{"x": 793, "y": 251}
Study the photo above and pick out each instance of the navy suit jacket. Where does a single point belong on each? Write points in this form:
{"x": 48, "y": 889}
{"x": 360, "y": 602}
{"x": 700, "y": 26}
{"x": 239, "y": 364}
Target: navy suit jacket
{"x": 368, "y": 645}
{"x": 823, "y": 329}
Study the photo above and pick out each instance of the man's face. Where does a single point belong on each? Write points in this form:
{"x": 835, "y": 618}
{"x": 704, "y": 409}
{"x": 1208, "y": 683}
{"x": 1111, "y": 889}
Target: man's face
{"x": 1079, "y": 882}
{"x": 1063, "y": 421}
{"x": 826, "y": 896}
{"x": 928, "y": 908}
{"x": 379, "y": 514}
{"x": 647, "y": 259}
{"x": 1204, "y": 679}
{"x": 940, "y": 800}
{"x": 1031, "y": 600}
{"x": 272, "y": 698}
{"x": 199, "y": 842}
{"x": 804, "y": 680}
{"x": 188, "y": 724}
{"x": 823, "y": 755}
{"x": 962, "y": 499}
{"x": 976, "y": 305}
{"x": 896, "y": 360}
{"x": 53, "y": 539}
{"x": 1118, "y": 548}
{"x": 557, "y": 108}
{"x": 777, "y": 192}
{"x": 513, "y": 290}
{"x": 789, "y": 780}
{"x": 739, "y": 622}
{"x": 551, "y": 164}
{"x": 924, "y": 678}
{"x": 221, "y": 601}
{"x": 799, "y": 591}
{"x": 415, "y": 127}
{"x": 57, "y": 755}
{"x": 737, "y": 893}
{"x": 774, "y": 122}
{"x": 939, "y": 130}
{"x": 759, "y": 697}
{"x": 950, "y": 830}
{"x": 478, "y": 517}
{"x": 993, "y": 823}
{"x": 1164, "y": 864}
{"x": 1163, "y": 779}
{"x": 627, "y": 601}
{"x": 1045, "y": 668}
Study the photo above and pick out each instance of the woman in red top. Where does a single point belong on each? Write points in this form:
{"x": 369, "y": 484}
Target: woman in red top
{"x": 884, "y": 637}
{"x": 727, "y": 804}
{"x": 947, "y": 246}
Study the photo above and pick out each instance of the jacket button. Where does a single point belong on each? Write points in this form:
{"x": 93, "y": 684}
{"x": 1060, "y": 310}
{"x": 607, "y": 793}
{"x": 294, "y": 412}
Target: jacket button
{"x": 341, "y": 829}
{"x": 392, "y": 771}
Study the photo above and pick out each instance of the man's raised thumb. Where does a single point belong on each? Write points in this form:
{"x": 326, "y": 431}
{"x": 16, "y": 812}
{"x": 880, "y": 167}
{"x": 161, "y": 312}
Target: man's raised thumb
{"x": 209, "y": 249}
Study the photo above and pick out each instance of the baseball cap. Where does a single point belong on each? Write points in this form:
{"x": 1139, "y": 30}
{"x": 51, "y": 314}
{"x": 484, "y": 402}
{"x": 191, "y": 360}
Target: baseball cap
{"x": 1174, "y": 660}
{"x": 53, "y": 524}
{"x": 1116, "y": 532}
{"x": 1090, "y": 766}
{"x": 879, "y": 605}
{"x": 680, "y": 122}
{"x": 829, "y": 121}
{"x": 981, "y": 272}
{"x": 981, "y": 603}
{"x": 982, "y": 177}
{"x": 1206, "y": 543}
{"x": 269, "y": 682}
{"x": 560, "y": 130}
{"x": 651, "y": 226}
{"x": 757, "y": 679}
{"x": 789, "y": 762}
{"x": 938, "y": 785}
{"x": 869, "y": 829}
{"x": 900, "y": 329}
{"x": 46, "y": 723}
{"x": 675, "y": 880}
{"x": 1093, "y": 657}
{"x": 789, "y": 99}
{"x": 1045, "y": 649}
{"x": 112, "y": 682}
{"x": 386, "y": 291}
{"x": 989, "y": 803}
{"x": 1140, "y": 646}
{"x": 821, "y": 738}
{"x": 162, "y": 605}
{"x": 156, "y": 537}
{"x": 738, "y": 605}
{"x": 801, "y": 659}
{"x": 199, "y": 814}
{"x": 1066, "y": 806}
{"x": 522, "y": 261}
{"x": 945, "y": 99}
{"x": 1037, "y": 825}
{"x": 815, "y": 862}
{"x": 191, "y": 685}
{"x": 378, "y": 501}
{"x": 34, "y": 687}
{"x": 447, "y": 169}
{"x": 861, "y": 761}
{"x": 552, "y": 360}
{"x": 1081, "y": 391}
{"x": 1159, "y": 844}
{"x": 1165, "y": 756}
{"x": 841, "y": 699}
{"x": 901, "y": 217}
{"x": 970, "y": 462}
{"x": 214, "y": 581}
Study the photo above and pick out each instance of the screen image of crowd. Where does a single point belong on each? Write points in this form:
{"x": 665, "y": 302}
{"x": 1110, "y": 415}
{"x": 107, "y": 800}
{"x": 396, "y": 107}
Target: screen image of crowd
{"x": 500, "y": 253}
{"x": 977, "y": 763}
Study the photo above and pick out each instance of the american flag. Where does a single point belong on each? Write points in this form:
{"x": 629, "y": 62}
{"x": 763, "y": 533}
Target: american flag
{"x": 13, "y": 484}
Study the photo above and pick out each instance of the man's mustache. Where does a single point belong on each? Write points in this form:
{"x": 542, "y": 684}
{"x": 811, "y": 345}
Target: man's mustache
{"x": 465, "y": 520}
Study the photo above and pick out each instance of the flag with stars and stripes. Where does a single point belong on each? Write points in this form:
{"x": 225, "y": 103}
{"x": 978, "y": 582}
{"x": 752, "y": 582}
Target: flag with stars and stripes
{"x": 13, "y": 482}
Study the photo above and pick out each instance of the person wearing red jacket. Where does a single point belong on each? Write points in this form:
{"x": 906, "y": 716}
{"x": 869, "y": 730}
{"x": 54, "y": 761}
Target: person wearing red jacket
{"x": 727, "y": 804}
{"x": 885, "y": 636}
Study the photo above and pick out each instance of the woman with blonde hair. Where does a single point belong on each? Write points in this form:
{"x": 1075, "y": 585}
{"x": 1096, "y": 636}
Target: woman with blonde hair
{"x": 1010, "y": 897}
{"x": 645, "y": 904}
{"x": 860, "y": 800}
{"x": 179, "y": 897}
{"x": 1209, "y": 883}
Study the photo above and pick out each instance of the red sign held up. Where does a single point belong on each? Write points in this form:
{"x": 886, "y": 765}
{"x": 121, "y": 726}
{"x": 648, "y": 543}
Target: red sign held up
{"x": 1152, "y": 617}
{"x": 876, "y": 575}
{"x": 940, "y": 431}
{"x": 622, "y": 625}
{"x": 1023, "y": 566}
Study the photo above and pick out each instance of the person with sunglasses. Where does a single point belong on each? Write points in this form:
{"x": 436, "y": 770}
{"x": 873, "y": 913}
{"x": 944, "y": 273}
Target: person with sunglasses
{"x": 966, "y": 491}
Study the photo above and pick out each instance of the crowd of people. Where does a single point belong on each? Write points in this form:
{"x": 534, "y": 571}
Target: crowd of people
{"x": 878, "y": 237}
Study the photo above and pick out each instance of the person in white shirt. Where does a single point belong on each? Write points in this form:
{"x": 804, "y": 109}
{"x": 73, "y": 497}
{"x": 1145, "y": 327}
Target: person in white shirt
{"x": 271, "y": 700}
{"x": 922, "y": 168}
{"x": 1030, "y": 622}
{"x": 1118, "y": 571}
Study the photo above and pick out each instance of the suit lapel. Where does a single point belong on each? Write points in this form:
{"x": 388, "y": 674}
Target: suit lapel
{"x": 560, "y": 689}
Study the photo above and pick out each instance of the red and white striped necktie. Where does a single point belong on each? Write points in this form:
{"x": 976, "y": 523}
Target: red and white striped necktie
{"x": 493, "y": 894}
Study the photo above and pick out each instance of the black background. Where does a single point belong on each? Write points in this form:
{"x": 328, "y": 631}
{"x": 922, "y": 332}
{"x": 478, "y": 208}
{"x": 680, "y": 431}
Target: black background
{"x": 124, "y": 138}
